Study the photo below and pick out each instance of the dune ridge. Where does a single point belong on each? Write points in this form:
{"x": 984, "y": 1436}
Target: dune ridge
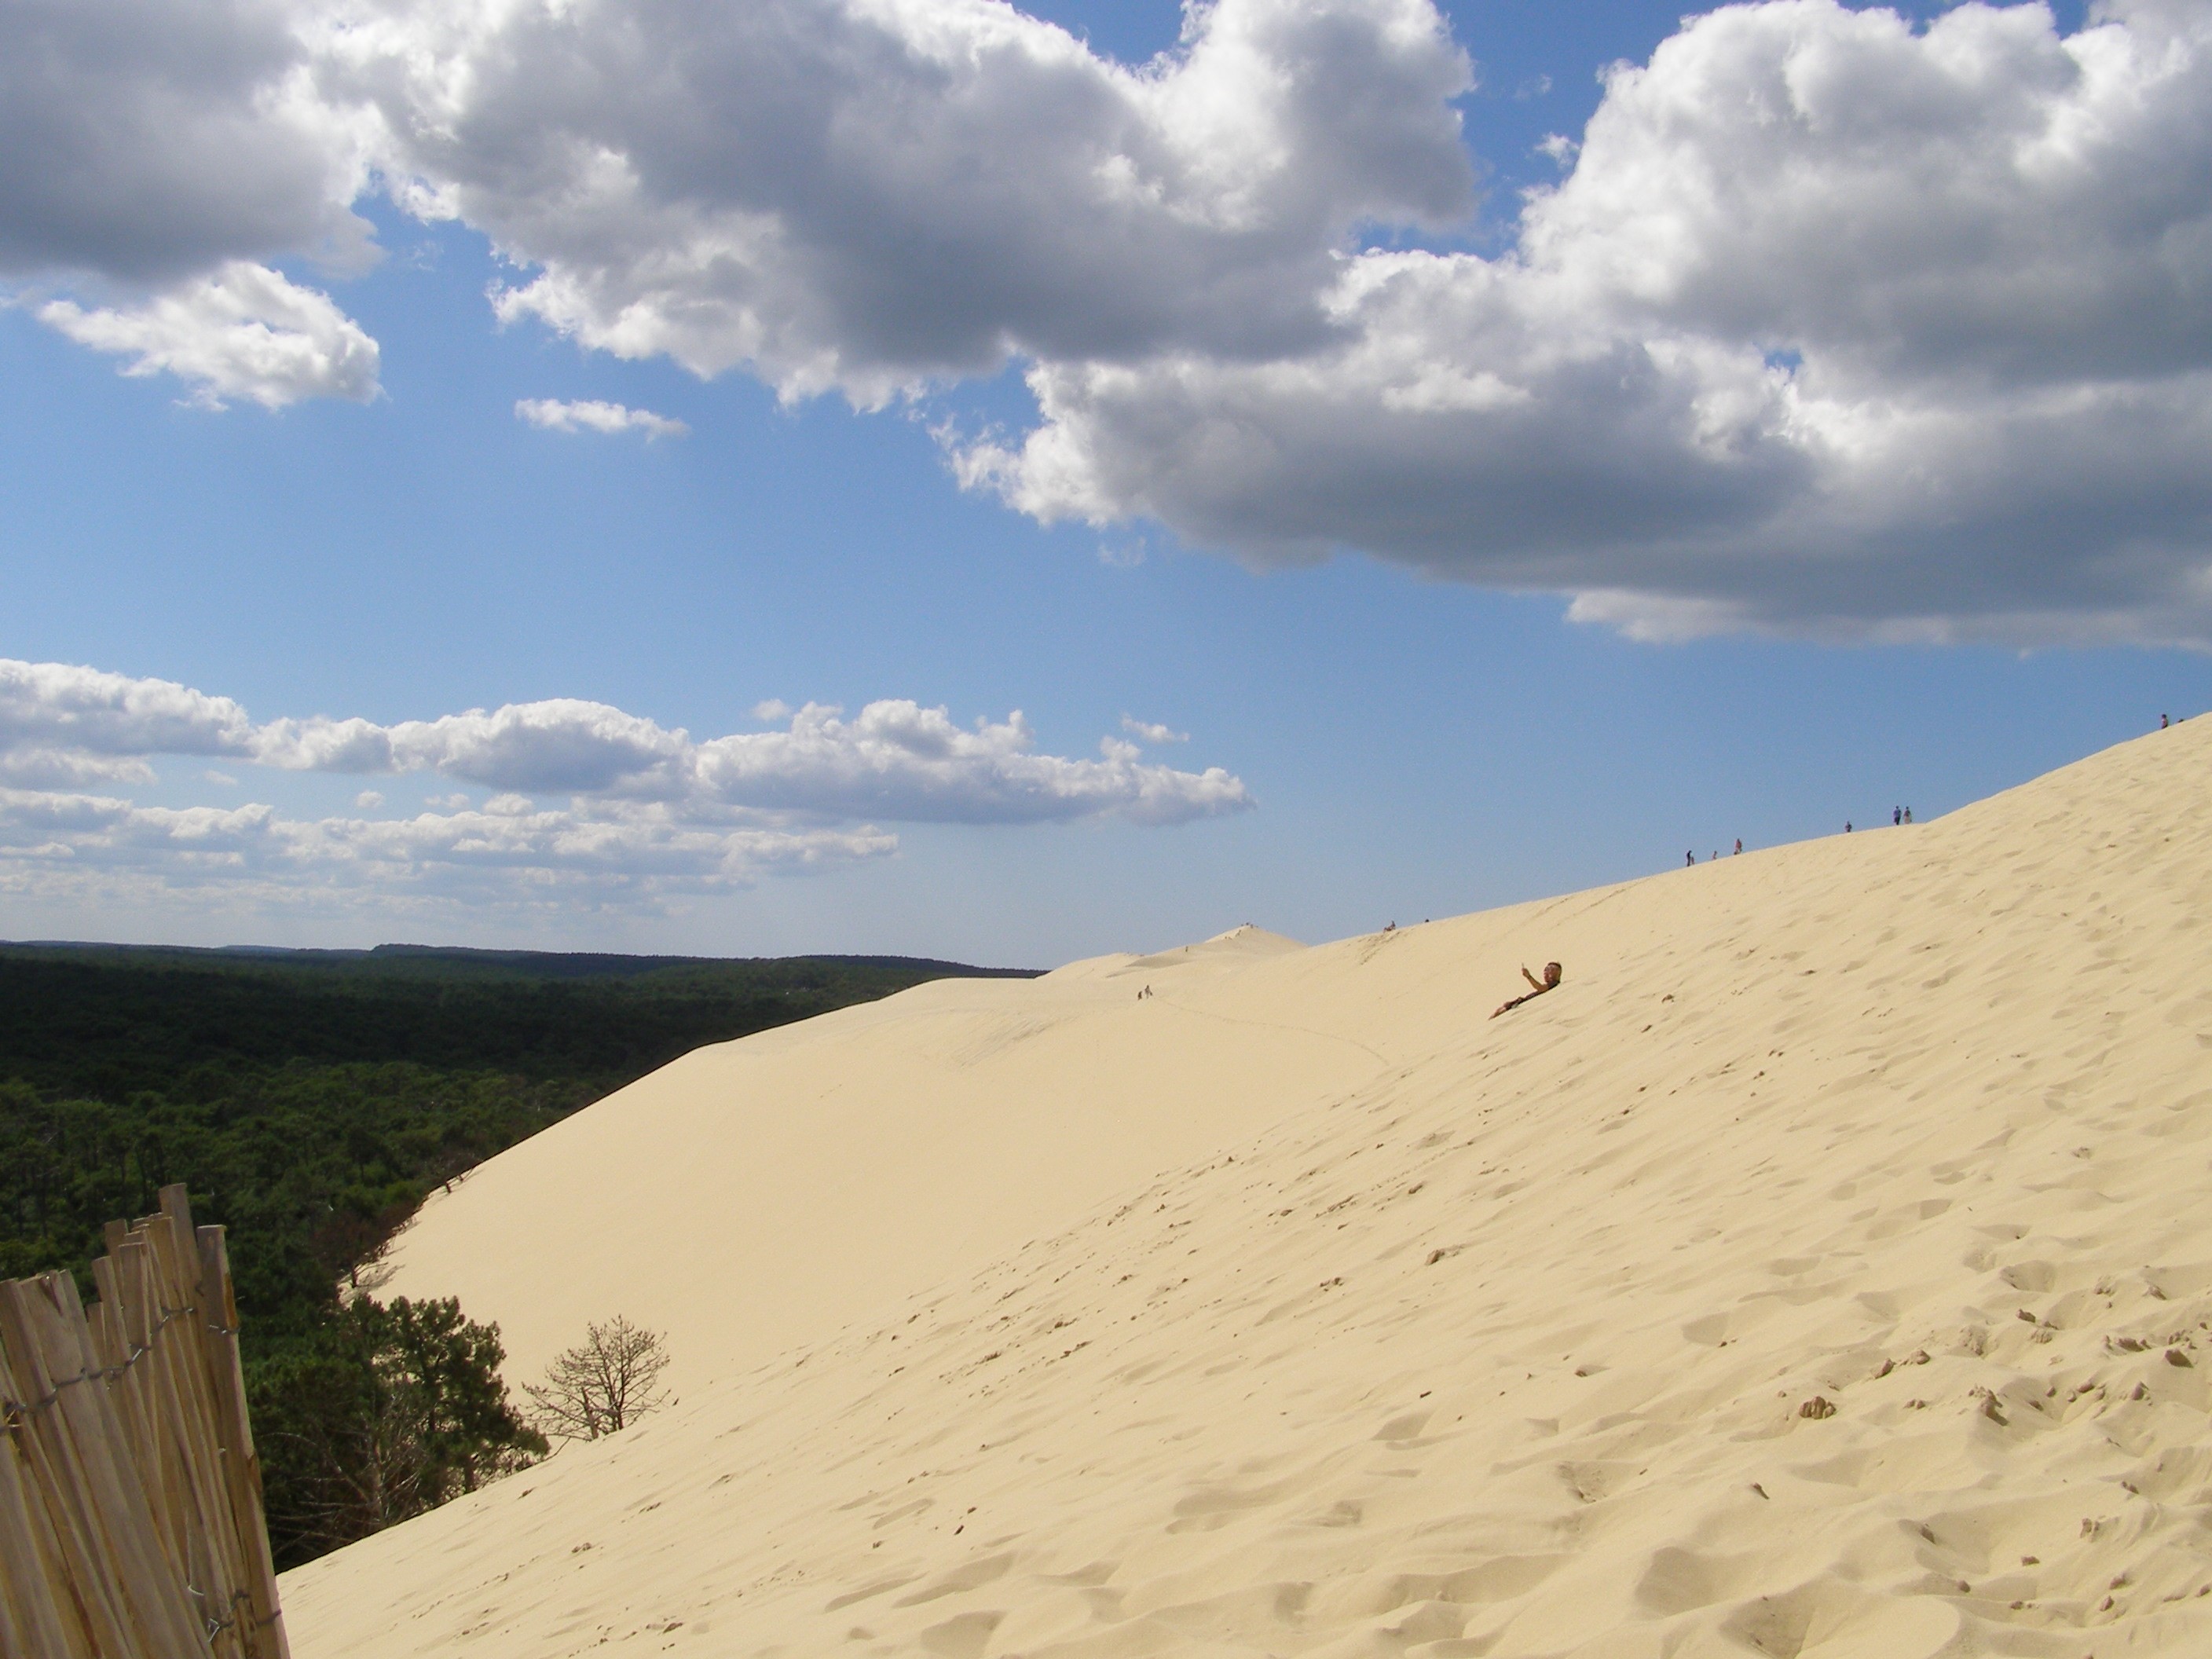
{"x": 1824, "y": 1270}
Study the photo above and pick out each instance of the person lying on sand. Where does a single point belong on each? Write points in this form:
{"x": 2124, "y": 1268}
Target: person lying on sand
{"x": 1550, "y": 982}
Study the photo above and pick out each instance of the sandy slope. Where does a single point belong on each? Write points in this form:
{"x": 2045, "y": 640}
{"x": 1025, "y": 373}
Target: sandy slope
{"x": 1436, "y": 1335}
{"x": 763, "y": 1193}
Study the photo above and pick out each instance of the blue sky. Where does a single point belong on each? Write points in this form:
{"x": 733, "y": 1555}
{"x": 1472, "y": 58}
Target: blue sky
{"x": 1410, "y": 725}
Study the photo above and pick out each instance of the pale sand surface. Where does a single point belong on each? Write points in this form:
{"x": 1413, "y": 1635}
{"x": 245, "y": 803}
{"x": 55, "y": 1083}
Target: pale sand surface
{"x": 1301, "y": 1309}
{"x": 760, "y": 1193}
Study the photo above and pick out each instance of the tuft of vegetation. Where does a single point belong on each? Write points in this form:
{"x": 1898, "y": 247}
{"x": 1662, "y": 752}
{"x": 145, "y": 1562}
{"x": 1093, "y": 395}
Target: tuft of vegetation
{"x": 602, "y": 1385}
{"x": 310, "y": 1101}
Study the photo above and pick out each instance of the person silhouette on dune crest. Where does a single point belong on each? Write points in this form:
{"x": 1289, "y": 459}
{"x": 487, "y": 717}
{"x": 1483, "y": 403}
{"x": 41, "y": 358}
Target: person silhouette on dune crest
{"x": 1549, "y": 982}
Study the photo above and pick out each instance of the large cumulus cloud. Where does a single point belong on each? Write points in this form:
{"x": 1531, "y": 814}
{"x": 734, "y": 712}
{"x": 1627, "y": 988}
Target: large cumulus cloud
{"x": 865, "y": 194}
{"x": 153, "y": 158}
{"x": 1836, "y": 323}
{"x": 145, "y": 141}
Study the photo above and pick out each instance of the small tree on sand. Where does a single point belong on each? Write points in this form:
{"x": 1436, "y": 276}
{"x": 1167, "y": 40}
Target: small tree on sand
{"x": 605, "y": 1382}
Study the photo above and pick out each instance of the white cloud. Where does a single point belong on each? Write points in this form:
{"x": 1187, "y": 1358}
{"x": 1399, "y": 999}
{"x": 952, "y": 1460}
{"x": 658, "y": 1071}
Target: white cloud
{"x": 556, "y": 416}
{"x": 69, "y": 769}
{"x": 154, "y": 158}
{"x": 898, "y": 760}
{"x": 1124, "y": 551}
{"x": 146, "y": 143}
{"x": 242, "y": 331}
{"x": 1835, "y": 322}
{"x": 560, "y": 743}
{"x": 53, "y": 843}
{"x": 1149, "y": 732}
{"x": 868, "y": 194}
{"x": 1838, "y": 326}
{"x": 648, "y": 811}
{"x": 59, "y": 706}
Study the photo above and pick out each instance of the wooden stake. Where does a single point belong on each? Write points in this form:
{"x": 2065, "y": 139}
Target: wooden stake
{"x": 242, "y": 1465}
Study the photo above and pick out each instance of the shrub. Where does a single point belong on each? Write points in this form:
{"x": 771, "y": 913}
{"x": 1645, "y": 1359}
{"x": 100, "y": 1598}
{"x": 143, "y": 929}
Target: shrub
{"x": 602, "y": 1385}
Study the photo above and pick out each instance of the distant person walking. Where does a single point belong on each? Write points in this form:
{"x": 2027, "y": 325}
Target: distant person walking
{"x": 1847, "y": 826}
{"x": 1896, "y": 815}
{"x": 1908, "y": 815}
{"x": 1739, "y": 843}
{"x": 1691, "y": 857}
{"x": 1549, "y": 982}
{"x": 2161, "y": 722}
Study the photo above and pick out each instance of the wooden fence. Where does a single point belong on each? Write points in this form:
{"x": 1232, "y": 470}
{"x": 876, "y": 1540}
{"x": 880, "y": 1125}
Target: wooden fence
{"x": 131, "y": 1522}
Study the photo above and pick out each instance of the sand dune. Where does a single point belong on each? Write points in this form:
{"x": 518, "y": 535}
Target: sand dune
{"x": 1825, "y": 1270}
{"x": 763, "y": 1193}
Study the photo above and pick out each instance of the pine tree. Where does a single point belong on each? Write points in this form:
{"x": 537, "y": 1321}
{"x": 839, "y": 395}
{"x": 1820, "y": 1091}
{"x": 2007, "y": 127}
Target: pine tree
{"x": 392, "y": 1412}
